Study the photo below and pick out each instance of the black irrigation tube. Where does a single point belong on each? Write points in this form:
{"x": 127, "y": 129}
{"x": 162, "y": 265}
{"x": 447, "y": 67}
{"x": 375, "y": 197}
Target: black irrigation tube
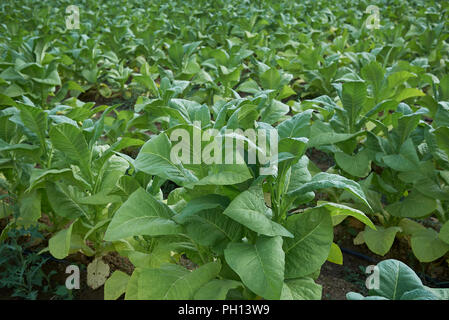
{"x": 433, "y": 281}
{"x": 358, "y": 254}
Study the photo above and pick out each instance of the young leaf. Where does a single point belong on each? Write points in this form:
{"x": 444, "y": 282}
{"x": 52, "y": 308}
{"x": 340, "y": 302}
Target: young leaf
{"x": 380, "y": 240}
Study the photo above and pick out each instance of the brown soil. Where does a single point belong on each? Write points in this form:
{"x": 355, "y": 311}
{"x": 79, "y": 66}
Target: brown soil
{"x": 321, "y": 159}
{"x": 336, "y": 279}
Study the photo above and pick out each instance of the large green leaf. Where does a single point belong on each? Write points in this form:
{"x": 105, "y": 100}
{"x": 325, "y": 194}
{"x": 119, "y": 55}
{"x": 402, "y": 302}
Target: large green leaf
{"x": 301, "y": 289}
{"x": 224, "y": 174}
{"x": 358, "y": 165}
{"x": 59, "y": 243}
{"x": 380, "y": 240}
{"x": 260, "y": 266}
{"x": 353, "y": 99}
{"x": 415, "y": 205}
{"x": 211, "y": 227}
{"x": 249, "y": 209}
{"x": 427, "y": 247}
{"x": 327, "y": 180}
{"x": 116, "y": 285}
{"x": 374, "y": 73}
{"x": 442, "y": 138}
{"x": 406, "y": 160}
{"x": 35, "y": 120}
{"x": 339, "y": 210}
{"x": 309, "y": 249}
{"x": 395, "y": 279}
{"x": 154, "y": 158}
{"x": 70, "y": 141}
{"x": 295, "y": 127}
{"x": 64, "y": 201}
{"x": 321, "y": 133}
{"x": 173, "y": 282}
{"x": 216, "y": 289}
{"x": 270, "y": 79}
{"x": 141, "y": 214}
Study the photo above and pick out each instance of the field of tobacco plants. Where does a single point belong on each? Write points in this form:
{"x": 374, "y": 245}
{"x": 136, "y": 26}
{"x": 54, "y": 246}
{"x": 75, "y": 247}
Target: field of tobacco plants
{"x": 212, "y": 150}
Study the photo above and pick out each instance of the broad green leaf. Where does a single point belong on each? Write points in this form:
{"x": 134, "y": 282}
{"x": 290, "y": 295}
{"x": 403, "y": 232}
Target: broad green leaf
{"x": 260, "y": 266}
{"x": 116, "y": 285}
{"x": 395, "y": 279}
{"x": 406, "y": 160}
{"x": 419, "y": 294}
{"x": 141, "y": 214}
{"x": 99, "y": 199}
{"x": 211, "y": 227}
{"x": 274, "y": 112}
{"x": 64, "y": 201}
{"x": 408, "y": 93}
{"x": 6, "y": 101}
{"x": 42, "y": 175}
{"x": 216, "y": 289}
{"x": 70, "y": 141}
{"x": 249, "y": 209}
{"x": 132, "y": 287}
{"x": 442, "y": 138}
{"x": 59, "y": 243}
{"x": 321, "y": 133}
{"x": 173, "y": 282}
{"x": 301, "y": 289}
{"x": 358, "y": 165}
{"x": 337, "y": 210}
{"x": 415, "y": 205}
{"x": 35, "y": 119}
{"x": 270, "y": 79}
{"x": 409, "y": 226}
{"x": 295, "y": 127}
{"x": 154, "y": 158}
{"x": 374, "y": 73}
{"x": 327, "y": 180}
{"x": 380, "y": 240}
{"x": 427, "y": 247}
{"x": 309, "y": 249}
{"x": 224, "y": 174}
{"x": 441, "y": 293}
{"x": 353, "y": 99}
